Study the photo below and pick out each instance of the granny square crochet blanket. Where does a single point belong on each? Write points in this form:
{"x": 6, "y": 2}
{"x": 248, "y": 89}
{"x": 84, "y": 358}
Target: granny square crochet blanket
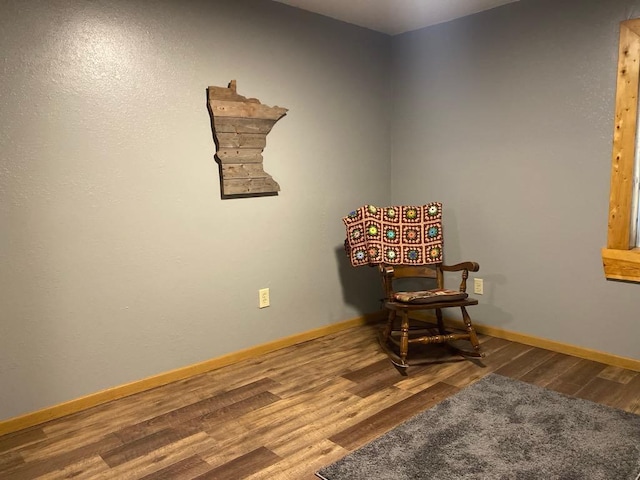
{"x": 398, "y": 235}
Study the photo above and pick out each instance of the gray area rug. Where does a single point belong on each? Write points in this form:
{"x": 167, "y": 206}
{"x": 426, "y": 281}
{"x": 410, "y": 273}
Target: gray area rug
{"x": 499, "y": 428}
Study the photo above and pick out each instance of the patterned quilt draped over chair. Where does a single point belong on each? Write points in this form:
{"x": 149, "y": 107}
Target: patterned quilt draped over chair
{"x": 397, "y": 235}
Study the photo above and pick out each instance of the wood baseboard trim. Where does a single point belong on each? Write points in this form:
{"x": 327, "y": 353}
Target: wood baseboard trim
{"x": 73, "y": 406}
{"x": 554, "y": 346}
{"x": 566, "y": 348}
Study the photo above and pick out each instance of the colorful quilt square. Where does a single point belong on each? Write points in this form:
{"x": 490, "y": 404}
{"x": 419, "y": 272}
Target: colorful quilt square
{"x": 433, "y": 211}
{"x": 356, "y": 234}
{"x": 413, "y": 255}
{"x": 372, "y": 231}
{"x": 391, "y": 214}
{"x": 434, "y": 254}
{"x": 412, "y": 233}
{"x": 432, "y": 232}
{"x": 374, "y": 252}
{"x": 391, "y": 254}
{"x": 371, "y": 211}
{"x": 411, "y": 214}
{"x": 353, "y": 217}
{"x": 359, "y": 256}
{"x": 391, "y": 234}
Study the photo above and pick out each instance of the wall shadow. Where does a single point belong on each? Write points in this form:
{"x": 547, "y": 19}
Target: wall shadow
{"x": 361, "y": 286}
{"x": 487, "y": 313}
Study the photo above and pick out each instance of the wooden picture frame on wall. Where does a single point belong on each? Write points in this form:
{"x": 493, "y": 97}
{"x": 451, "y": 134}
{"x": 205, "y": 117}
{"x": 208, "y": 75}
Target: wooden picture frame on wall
{"x": 621, "y": 258}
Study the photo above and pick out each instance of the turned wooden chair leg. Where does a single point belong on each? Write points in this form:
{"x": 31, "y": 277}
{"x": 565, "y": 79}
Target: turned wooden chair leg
{"x": 404, "y": 337}
{"x": 389, "y": 327}
{"x": 473, "y": 338}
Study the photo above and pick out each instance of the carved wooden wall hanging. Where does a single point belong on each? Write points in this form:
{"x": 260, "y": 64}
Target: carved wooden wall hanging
{"x": 240, "y": 127}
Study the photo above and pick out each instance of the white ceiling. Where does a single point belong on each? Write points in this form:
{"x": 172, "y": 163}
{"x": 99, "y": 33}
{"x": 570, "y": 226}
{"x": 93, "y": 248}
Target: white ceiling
{"x": 395, "y": 16}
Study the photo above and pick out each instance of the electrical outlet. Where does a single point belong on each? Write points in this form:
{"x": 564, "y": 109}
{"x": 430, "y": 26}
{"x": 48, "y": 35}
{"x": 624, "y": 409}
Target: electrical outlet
{"x": 478, "y": 286}
{"x": 263, "y": 298}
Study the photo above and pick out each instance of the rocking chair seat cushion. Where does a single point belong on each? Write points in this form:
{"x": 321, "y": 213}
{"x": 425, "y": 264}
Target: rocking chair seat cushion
{"x": 430, "y": 296}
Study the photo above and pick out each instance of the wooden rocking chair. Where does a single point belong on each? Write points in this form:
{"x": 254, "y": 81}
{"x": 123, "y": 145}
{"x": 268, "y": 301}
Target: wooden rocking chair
{"x": 405, "y": 241}
{"x": 397, "y": 337}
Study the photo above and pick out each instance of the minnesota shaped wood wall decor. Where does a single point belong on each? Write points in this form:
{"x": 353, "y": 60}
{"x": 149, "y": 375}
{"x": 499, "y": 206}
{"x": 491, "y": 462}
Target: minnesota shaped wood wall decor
{"x": 240, "y": 126}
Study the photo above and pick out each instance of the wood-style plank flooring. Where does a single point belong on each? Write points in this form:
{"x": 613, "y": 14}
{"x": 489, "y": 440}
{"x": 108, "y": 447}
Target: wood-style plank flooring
{"x": 283, "y": 415}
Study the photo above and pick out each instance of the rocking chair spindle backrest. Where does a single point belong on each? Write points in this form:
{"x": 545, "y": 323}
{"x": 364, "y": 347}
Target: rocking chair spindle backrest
{"x": 390, "y": 273}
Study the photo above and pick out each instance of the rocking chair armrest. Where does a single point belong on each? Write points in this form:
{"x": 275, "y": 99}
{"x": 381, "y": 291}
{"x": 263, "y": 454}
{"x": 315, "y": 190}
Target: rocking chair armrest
{"x": 465, "y": 268}
{"x": 469, "y": 266}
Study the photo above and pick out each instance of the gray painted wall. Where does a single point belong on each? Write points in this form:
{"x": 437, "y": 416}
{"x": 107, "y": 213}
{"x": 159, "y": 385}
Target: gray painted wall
{"x": 118, "y": 258}
{"x": 120, "y": 261}
{"x": 507, "y": 118}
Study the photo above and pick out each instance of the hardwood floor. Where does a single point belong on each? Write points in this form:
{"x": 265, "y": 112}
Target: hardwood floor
{"x": 283, "y": 415}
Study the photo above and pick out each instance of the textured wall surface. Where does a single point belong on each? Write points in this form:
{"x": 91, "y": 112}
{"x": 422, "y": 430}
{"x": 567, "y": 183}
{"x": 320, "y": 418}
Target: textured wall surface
{"x": 119, "y": 260}
{"x": 507, "y": 118}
